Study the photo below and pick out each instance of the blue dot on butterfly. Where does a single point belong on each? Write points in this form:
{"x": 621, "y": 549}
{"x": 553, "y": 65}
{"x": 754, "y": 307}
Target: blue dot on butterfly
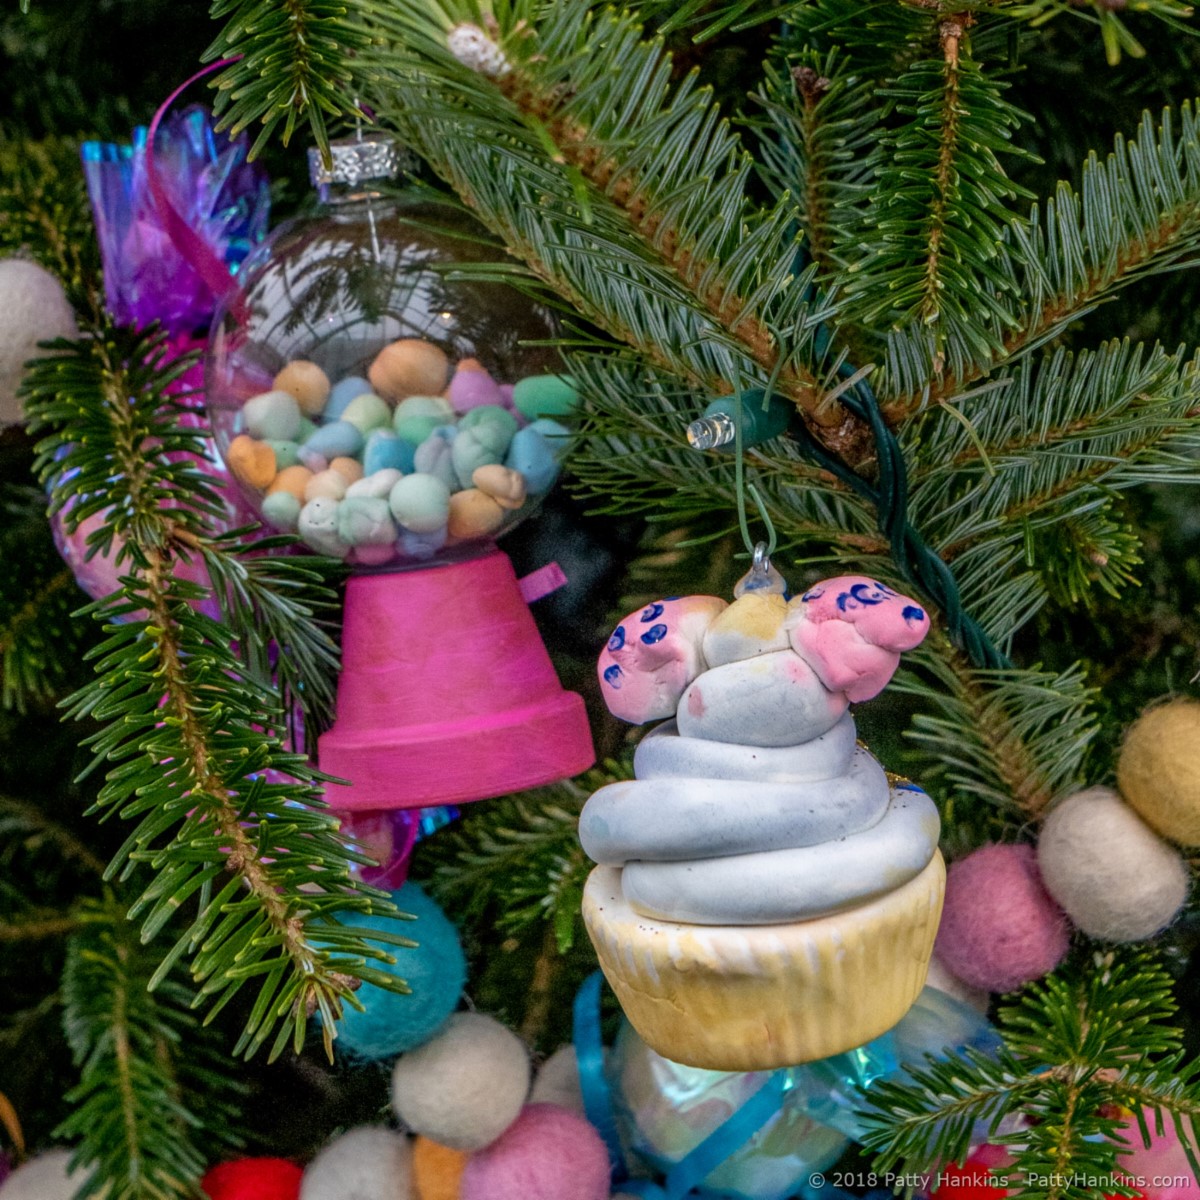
{"x": 655, "y": 633}
{"x": 613, "y": 677}
{"x": 913, "y": 613}
{"x": 617, "y": 641}
{"x": 652, "y": 613}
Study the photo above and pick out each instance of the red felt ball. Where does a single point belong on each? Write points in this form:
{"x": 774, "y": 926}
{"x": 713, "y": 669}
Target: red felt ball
{"x": 1000, "y": 928}
{"x": 253, "y": 1179}
{"x": 547, "y": 1153}
{"x": 978, "y": 1179}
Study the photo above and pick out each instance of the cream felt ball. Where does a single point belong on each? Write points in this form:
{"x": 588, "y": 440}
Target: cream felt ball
{"x": 45, "y": 1177}
{"x": 546, "y": 1154}
{"x": 1000, "y": 927}
{"x": 33, "y": 309}
{"x": 464, "y": 1087}
{"x": 367, "y": 1163}
{"x": 1113, "y": 875}
{"x": 1158, "y": 771}
{"x": 557, "y": 1081}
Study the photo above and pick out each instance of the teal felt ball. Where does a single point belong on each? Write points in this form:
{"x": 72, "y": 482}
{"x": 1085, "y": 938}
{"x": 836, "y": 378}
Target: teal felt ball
{"x": 436, "y": 970}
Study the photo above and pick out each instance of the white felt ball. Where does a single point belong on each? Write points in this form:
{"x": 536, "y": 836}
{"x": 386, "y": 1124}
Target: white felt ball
{"x": 464, "y": 1088}
{"x": 33, "y": 309}
{"x": 367, "y": 1163}
{"x": 557, "y": 1082}
{"x": 1113, "y": 875}
{"x": 45, "y": 1177}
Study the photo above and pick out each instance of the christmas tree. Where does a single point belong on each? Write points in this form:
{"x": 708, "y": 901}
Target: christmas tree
{"x": 935, "y": 265}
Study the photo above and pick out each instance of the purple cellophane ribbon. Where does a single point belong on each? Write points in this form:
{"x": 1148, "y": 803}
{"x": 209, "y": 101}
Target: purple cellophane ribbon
{"x": 223, "y": 198}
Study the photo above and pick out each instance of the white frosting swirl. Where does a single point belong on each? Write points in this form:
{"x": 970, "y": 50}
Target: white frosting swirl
{"x": 755, "y": 807}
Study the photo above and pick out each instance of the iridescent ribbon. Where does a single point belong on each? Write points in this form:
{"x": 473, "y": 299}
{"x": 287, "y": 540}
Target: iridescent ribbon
{"x": 695, "y": 1166}
{"x": 210, "y": 268}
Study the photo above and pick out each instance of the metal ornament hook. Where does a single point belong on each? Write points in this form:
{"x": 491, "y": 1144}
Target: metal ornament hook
{"x": 762, "y": 576}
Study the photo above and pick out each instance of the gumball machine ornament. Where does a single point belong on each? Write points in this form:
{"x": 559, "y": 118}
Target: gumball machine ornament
{"x": 401, "y": 419}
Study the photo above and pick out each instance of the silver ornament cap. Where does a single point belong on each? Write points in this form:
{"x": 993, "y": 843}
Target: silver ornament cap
{"x": 356, "y": 161}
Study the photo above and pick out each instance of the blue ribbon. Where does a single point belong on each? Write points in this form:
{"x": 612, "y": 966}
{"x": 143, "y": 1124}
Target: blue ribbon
{"x": 687, "y": 1174}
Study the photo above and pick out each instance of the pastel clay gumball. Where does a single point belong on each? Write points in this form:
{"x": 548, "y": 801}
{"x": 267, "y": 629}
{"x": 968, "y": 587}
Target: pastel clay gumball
{"x": 422, "y": 546}
{"x": 315, "y": 462}
{"x": 416, "y": 417}
{"x": 505, "y": 486}
{"x": 252, "y": 462}
{"x": 274, "y": 415}
{"x": 287, "y": 453}
{"x": 851, "y": 631}
{"x": 500, "y": 420}
{"x": 379, "y": 484}
{"x": 1113, "y": 875}
{"x": 750, "y": 626}
{"x": 318, "y": 524}
{"x": 337, "y": 440}
{"x": 307, "y": 383}
{"x": 307, "y": 429}
{"x": 465, "y": 1086}
{"x": 437, "y": 1170}
{"x": 546, "y": 1154}
{"x": 281, "y": 510}
{"x": 368, "y": 412}
{"x": 343, "y": 392}
{"x": 472, "y": 387}
{"x": 1000, "y": 928}
{"x": 366, "y": 1163}
{"x": 546, "y": 396}
{"x": 473, "y": 514}
{"x": 409, "y": 367}
{"x": 291, "y": 479}
{"x": 372, "y": 556}
{"x": 435, "y": 457}
{"x": 350, "y": 469}
{"x": 653, "y": 655}
{"x": 471, "y": 450}
{"x": 365, "y": 521}
{"x": 385, "y": 451}
{"x": 421, "y": 503}
{"x": 530, "y": 455}
{"x": 557, "y": 434}
{"x": 328, "y": 484}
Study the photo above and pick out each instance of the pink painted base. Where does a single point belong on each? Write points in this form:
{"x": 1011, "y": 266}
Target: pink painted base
{"x": 447, "y": 693}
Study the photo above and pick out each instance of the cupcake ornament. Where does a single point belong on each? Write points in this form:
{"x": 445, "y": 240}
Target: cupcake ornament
{"x": 401, "y": 420}
{"x": 764, "y": 894}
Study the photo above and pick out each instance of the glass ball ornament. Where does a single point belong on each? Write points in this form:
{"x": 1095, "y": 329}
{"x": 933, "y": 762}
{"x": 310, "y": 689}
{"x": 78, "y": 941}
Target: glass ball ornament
{"x": 375, "y": 390}
{"x": 369, "y": 397}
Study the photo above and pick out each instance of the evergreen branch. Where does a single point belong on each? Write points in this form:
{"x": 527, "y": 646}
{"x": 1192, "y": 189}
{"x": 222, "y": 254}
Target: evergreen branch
{"x": 295, "y": 64}
{"x": 192, "y": 736}
{"x": 1089, "y": 1039}
{"x": 544, "y": 150}
{"x": 37, "y": 927}
{"x": 40, "y": 646}
{"x": 929, "y": 253}
{"x": 140, "y": 1131}
{"x": 1014, "y": 739}
{"x": 1135, "y": 213}
{"x": 815, "y": 144}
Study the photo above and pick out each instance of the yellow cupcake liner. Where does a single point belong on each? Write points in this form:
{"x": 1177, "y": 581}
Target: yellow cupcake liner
{"x": 757, "y": 997}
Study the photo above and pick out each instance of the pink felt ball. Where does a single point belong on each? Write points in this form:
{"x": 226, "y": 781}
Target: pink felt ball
{"x": 547, "y": 1153}
{"x": 1000, "y": 928}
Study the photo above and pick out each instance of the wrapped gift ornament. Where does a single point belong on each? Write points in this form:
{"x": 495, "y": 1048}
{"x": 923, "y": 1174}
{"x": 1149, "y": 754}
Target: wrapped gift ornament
{"x": 764, "y": 894}
{"x": 401, "y": 420}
